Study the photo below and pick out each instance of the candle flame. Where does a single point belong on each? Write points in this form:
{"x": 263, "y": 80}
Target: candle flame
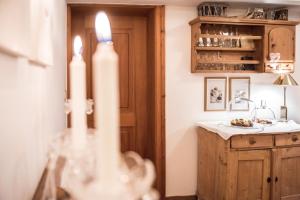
{"x": 102, "y": 26}
{"x": 77, "y": 46}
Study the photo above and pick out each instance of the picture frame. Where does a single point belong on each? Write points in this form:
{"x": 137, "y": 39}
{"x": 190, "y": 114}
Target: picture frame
{"x": 239, "y": 87}
{"x": 215, "y": 93}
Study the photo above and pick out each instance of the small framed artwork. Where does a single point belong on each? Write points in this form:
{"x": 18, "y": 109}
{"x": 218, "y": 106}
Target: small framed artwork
{"x": 239, "y": 89}
{"x": 215, "y": 89}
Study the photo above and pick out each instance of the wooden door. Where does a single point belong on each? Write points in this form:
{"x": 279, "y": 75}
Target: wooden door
{"x": 249, "y": 175}
{"x": 282, "y": 40}
{"x": 129, "y": 35}
{"x": 286, "y": 174}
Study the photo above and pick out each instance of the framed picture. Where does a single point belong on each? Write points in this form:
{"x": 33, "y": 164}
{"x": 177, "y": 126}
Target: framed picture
{"x": 239, "y": 88}
{"x": 215, "y": 89}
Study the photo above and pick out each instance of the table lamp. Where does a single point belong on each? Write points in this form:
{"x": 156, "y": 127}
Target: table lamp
{"x": 284, "y": 80}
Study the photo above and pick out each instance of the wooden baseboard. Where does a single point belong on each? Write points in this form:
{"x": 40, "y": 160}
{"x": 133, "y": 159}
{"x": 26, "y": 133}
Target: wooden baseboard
{"x": 193, "y": 197}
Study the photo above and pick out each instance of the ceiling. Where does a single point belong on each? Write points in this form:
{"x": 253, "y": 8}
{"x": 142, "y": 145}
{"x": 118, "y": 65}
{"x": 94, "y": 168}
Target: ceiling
{"x": 190, "y": 2}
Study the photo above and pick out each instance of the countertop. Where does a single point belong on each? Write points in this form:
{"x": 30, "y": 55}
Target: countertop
{"x": 225, "y": 130}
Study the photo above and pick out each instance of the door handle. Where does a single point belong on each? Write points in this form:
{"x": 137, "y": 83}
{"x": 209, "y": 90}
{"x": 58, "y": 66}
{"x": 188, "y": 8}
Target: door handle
{"x": 276, "y": 179}
{"x": 269, "y": 179}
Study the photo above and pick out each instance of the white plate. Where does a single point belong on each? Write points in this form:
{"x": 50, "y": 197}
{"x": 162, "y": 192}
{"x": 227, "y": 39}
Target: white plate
{"x": 267, "y": 125}
{"x": 228, "y": 124}
{"x": 244, "y": 127}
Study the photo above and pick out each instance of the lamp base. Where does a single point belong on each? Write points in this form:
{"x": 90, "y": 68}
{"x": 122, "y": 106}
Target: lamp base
{"x": 283, "y": 114}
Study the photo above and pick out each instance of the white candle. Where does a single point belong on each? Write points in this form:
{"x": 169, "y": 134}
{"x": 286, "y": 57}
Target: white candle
{"x": 78, "y": 96}
{"x": 106, "y": 95}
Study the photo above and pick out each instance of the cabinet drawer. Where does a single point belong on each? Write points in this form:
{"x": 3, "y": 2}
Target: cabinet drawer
{"x": 251, "y": 141}
{"x": 287, "y": 139}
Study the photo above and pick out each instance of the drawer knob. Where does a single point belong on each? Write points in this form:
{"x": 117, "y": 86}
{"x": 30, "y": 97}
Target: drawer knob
{"x": 252, "y": 140}
{"x": 294, "y": 138}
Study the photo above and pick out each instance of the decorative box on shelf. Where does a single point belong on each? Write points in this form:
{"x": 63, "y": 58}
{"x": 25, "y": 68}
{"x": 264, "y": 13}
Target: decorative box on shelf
{"x": 226, "y": 44}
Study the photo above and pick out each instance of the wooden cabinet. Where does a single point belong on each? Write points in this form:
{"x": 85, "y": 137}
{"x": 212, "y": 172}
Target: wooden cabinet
{"x": 248, "y": 167}
{"x": 280, "y": 39}
{"x": 286, "y": 173}
{"x": 250, "y": 175}
{"x": 220, "y": 44}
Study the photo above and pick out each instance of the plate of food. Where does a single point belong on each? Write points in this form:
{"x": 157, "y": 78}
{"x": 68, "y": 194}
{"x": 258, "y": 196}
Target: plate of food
{"x": 242, "y": 123}
{"x": 265, "y": 122}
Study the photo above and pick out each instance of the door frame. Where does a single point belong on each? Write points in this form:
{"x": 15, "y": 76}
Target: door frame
{"x": 156, "y": 15}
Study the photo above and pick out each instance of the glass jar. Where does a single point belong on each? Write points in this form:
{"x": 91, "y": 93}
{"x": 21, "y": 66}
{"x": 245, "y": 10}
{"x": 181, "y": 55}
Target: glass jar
{"x": 263, "y": 112}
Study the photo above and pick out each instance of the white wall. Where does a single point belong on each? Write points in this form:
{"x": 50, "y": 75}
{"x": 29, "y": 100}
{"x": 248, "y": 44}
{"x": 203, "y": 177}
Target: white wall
{"x": 184, "y": 101}
{"x": 31, "y": 113}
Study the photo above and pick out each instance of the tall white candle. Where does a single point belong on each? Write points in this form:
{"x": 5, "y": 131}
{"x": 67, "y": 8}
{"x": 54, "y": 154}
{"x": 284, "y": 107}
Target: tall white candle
{"x": 78, "y": 96}
{"x": 106, "y": 94}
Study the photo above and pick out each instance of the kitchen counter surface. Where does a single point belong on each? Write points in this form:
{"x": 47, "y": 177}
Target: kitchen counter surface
{"x": 225, "y": 130}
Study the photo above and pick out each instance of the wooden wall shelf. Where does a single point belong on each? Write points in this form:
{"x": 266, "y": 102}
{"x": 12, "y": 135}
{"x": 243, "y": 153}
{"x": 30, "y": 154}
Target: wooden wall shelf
{"x": 232, "y": 62}
{"x": 241, "y": 21}
{"x": 250, "y": 43}
{"x": 241, "y": 37}
{"x": 227, "y": 71}
{"x": 223, "y": 49}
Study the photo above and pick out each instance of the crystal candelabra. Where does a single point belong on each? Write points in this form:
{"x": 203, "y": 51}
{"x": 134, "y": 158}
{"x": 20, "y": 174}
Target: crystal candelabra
{"x": 79, "y": 175}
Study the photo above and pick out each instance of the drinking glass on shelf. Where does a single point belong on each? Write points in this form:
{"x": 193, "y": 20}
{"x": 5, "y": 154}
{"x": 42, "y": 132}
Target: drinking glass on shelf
{"x": 202, "y": 55}
{"x": 222, "y": 66}
{"x": 200, "y": 42}
{"x": 232, "y": 40}
{"x": 205, "y": 66}
{"x": 226, "y": 67}
{"x": 207, "y": 39}
{"x": 231, "y": 67}
{"x": 205, "y": 57}
{"x": 199, "y": 66}
{"x": 215, "y": 41}
{"x": 208, "y": 67}
{"x": 236, "y": 67}
{"x": 215, "y": 55}
{"x": 238, "y": 41}
{"x": 213, "y": 66}
{"x": 221, "y": 40}
{"x": 219, "y": 56}
{"x": 226, "y": 40}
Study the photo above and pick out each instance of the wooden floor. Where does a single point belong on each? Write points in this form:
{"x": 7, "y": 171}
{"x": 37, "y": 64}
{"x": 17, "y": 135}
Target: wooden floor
{"x": 193, "y": 197}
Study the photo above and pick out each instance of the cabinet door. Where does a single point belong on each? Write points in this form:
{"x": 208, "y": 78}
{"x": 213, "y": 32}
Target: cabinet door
{"x": 249, "y": 175}
{"x": 286, "y": 173}
{"x": 282, "y": 40}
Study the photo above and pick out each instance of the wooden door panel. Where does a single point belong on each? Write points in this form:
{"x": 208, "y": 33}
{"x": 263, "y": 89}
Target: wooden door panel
{"x": 282, "y": 40}
{"x": 250, "y": 179}
{"x": 127, "y": 38}
{"x": 128, "y": 139}
{"x": 290, "y": 176}
{"x": 287, "y": 173}
{"x": 122, "y": 47}
{"x": 248, "y": 175}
